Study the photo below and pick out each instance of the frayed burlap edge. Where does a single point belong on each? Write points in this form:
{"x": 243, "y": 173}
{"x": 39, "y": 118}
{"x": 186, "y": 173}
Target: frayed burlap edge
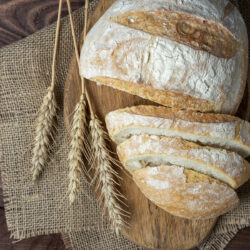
{"x": 67, "y": 241}
{"x": 220, "y": 241}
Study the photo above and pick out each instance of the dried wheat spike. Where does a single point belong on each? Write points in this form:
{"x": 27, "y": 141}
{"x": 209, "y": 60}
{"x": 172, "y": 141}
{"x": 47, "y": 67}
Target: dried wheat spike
{"x": 104, "y": 175}
{"x": 43, "y": 133}
{"x": 77, "y": 147}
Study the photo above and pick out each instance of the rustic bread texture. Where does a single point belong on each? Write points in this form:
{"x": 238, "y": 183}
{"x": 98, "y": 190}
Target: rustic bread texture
{"x": 217, "y": 130}
{"x": 185, "y": 193}
{"x": 144, "y": 150}
{"x": 198, "y": 34}
{"x": 167, "y": 98}
{"x": 183, "y": 54}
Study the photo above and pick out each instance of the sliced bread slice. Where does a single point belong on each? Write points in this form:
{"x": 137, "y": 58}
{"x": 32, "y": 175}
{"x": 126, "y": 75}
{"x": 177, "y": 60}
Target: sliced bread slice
{"x": 143, "y": 150}
{"x": 217, "y": 130}
{"x": 185, "y": 193}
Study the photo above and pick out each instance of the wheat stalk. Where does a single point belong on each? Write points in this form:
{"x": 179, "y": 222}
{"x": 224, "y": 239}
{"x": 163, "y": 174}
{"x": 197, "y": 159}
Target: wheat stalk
{"x": 77, "y": 148}
{"x": 46, "y": 117}
{"x": 78, "y": 126}
{"x": 43, "y": 133}
{"x": 104, "y": 174}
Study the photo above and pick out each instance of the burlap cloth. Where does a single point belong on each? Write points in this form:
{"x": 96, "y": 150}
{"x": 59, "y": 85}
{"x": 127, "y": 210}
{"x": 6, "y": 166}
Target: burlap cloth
{"x": 33, "y": 210}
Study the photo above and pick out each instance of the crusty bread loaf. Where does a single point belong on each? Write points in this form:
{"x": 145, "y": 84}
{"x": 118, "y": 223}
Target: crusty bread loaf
{"x": 217, "y": 130}
{"x": 143, "y": 150}
{"x": 179, "y": 53}
{"x": 185, "y": 193}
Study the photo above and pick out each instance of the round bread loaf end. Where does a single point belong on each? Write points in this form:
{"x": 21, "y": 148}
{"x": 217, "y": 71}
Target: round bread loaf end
{"x": 185, "y": 193}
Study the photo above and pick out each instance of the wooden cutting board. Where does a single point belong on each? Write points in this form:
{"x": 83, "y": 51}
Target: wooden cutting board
{"x": 150, "y": 226}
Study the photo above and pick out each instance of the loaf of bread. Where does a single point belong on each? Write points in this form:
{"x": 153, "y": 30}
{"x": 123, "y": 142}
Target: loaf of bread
{"x": 141, "y": 151}
{"x": 179, "y": 53}
{"x": 185, "y": 193}
{"x": 217, "y": 130}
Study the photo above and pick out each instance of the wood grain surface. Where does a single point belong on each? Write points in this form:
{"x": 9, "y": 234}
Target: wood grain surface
{"x": 18, "y": 19}
{"x": 149, "y": 226}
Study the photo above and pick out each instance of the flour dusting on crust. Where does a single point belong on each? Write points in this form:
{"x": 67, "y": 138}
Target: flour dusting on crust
{"x": 115, "y": 51}
{"x": 169, "y": 188}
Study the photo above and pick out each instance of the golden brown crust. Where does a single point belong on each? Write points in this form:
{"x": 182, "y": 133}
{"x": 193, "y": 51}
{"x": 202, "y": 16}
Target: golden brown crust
{"x": 167, "y": 98}
{"x": 185, "y": 193}
{"x": 205, "y": 35}
{"x": 195, "y": 177}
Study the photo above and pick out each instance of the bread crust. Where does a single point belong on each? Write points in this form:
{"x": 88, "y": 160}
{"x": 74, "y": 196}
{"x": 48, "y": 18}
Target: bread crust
{"x": 221, "y": 164}
{"x": 166, "y": 98}
{"x": 185, "y": 193}
{"x": 230, "y": 130}
{"x": 140, "y": 63}
{"x": 183, "y": 28}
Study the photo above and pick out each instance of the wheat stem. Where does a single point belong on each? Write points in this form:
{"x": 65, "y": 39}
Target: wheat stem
{"x": 53, "y": 73}
{"x": 46, "y": 117}
{"x": 78, "y": 126}
{"x": 104, "y": 171}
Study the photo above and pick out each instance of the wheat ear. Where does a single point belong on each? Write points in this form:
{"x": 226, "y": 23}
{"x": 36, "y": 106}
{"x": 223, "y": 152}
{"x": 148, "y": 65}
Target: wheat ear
{"x": 104, "y": 171}
{"x": 105, "y": 176}
{"x": 46, "y": 117}
{"x": 43, "y": 133}
{"x": 77, "y": 147}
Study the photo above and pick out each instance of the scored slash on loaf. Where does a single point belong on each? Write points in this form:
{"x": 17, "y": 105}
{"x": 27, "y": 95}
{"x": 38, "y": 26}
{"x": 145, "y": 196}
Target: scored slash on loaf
{"x": 217, "y": 130}
{"x": 179, "y": 53}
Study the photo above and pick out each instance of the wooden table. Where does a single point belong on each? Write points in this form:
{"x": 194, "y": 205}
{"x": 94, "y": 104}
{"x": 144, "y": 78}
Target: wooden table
{"x": 18, "y": 19}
